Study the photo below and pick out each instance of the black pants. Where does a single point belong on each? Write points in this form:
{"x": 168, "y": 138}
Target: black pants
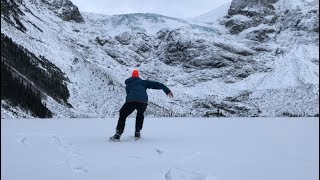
{"x": 126, "y": 110}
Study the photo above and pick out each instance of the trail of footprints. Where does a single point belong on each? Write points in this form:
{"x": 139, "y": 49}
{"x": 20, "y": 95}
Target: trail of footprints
{"x": 175, "y": 172}
{"x": 73, "y": 157}
{"x": 75, "y": 160}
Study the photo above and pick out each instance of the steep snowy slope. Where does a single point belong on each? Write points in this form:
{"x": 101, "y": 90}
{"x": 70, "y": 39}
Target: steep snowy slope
{"x": 292, "y": 29}
{"x": 213, "y": 16}
{"x": 207, "y": 68}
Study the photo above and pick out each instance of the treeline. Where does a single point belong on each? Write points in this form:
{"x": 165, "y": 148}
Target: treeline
{"x": 45, "y": 75}
{"x": 19, "y": 92}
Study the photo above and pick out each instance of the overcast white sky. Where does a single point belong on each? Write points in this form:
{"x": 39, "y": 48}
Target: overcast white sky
{"x": 173, "y": 8}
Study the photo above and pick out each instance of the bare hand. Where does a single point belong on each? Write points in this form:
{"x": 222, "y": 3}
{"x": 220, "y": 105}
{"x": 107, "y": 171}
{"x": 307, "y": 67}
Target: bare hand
{"x": 170, "y": 94}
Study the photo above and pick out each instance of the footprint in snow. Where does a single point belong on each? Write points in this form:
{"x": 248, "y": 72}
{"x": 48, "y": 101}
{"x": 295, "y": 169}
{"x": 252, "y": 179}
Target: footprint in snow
{"x": 182, "y": 174}
{"x": 74, "y": 159}
{"x": 159, "y": 151}
{"x": 22, "y": 139}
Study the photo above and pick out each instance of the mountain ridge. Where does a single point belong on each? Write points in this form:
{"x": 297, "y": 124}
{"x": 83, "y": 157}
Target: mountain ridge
{"x": 208, "y": 68}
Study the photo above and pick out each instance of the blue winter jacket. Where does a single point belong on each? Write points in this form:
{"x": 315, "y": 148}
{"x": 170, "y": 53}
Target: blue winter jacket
{"x": 136, "y": 89}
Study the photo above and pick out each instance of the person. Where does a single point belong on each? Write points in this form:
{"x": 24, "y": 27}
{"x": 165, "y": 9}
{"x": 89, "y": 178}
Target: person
{"x": 136, "y": 99}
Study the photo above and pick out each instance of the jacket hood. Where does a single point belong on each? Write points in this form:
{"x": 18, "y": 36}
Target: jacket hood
{"x": 131, "y": 79}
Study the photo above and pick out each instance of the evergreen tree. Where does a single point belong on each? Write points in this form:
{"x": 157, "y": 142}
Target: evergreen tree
{"x": 51, "y": 80}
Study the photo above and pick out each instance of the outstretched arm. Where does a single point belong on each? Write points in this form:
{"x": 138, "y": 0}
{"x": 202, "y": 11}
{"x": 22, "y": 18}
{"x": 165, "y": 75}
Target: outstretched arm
{"x": 157, "y": 85}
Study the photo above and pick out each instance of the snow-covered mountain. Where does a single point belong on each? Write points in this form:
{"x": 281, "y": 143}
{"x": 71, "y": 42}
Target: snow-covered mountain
{"x": 261, "y": 59}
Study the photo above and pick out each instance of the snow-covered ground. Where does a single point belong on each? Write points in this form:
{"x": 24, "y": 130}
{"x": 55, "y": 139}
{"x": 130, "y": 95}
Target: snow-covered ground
{"x": 171, "y": 149}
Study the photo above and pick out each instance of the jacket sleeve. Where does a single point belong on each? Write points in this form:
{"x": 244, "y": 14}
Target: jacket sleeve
{"x": 157, "y": 85}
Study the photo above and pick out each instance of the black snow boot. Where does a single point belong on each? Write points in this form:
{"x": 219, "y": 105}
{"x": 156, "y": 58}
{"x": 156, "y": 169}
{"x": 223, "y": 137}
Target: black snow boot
{"x": 115, "y": 137}
{"x": 137, "y": 135}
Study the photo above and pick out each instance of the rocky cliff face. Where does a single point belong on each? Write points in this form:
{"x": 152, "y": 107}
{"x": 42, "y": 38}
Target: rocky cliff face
{"x": 246, "y": 14}
{"x": 65, "y": 9}
{"x": 243, "y": 15}
{"x": 252, "y": 7}
{"x": 230, "y": 62}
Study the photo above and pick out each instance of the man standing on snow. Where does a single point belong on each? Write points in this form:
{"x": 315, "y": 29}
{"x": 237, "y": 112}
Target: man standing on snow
{"x": 137, "y": 99}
